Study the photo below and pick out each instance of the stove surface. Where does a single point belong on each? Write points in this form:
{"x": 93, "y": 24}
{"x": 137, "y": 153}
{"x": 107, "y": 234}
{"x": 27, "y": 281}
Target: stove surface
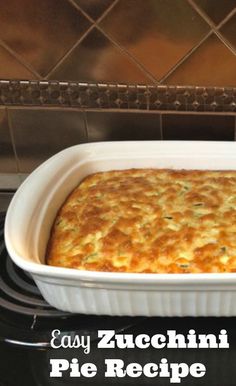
{"x": 22, "y": 304}
{"x": 27, "y": 321}
{"x": 5, "y": 199}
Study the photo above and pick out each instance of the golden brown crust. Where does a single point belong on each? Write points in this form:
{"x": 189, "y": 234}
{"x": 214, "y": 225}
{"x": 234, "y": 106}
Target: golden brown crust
{"x": 148, "y": 220}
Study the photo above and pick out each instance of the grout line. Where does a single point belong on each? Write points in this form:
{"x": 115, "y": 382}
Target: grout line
{"x": 94, "y": 21}
{"x": 86, "y": 123}
{"x": 121, "y": 48}
{"x": 65, "y": 56}
{"x": 129, "y": 55}
{"x": 43, "y": 107}
{"x": 185, "y": 58}
{"x": 225, "y": 41}
{"x": 20, "y": 59}
{"x": 213, "y": 26}
{"x": 13, "y": 141}
{"x": 224, "y": 21}
{"x": 161, "y": 127}
{"x": 105, "y": 13}
{"x": 235, "y": 128}
{"x": 116, "y": 110}
{"x": 201, "y": 12}
{"x": 75, "y": 5}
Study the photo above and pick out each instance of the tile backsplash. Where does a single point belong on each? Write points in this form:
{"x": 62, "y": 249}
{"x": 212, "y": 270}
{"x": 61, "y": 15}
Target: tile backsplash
{"x": 151, "y": 42}
{"x": 31, "y": 135}
{"x": 134, "y": 41}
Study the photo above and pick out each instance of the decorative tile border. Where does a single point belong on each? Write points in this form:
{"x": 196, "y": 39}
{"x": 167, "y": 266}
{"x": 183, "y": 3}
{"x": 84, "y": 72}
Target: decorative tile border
{"x": 117, "y": 96}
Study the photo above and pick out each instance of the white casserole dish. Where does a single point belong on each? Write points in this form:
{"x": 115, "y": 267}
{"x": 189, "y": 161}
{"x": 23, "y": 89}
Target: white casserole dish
{"x": 34, "y": 207}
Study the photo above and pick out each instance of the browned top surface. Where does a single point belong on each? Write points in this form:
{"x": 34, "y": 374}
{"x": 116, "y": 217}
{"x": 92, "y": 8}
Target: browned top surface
{"x": 148, "y": 220}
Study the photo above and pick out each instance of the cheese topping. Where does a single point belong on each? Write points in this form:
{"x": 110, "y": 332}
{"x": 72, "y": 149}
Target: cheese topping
{"x": 148, "y": 220}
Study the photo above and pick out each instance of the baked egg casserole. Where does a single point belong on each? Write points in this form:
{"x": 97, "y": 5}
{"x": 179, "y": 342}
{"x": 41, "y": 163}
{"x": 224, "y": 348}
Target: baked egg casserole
{"x": 148, "y": 221}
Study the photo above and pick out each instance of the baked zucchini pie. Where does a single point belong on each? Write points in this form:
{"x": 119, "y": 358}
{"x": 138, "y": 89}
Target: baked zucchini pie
{"x": 148, "y": 221}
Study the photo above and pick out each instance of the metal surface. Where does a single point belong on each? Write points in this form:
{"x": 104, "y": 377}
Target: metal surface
{"x": 100, "y": 96}
{"x": 18, "y": 292}
{"x": 5, "y": 198}
{"x": 154, "y": 41}
{"x": 7, "y": 163}
{"x": 21, "y": 304}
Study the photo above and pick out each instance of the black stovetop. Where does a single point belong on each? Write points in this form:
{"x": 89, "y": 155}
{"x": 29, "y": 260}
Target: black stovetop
{"x": 27, "y": 321}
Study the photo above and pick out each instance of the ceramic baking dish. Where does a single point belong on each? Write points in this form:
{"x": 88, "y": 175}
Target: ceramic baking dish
{"x": 34, "y": 207}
